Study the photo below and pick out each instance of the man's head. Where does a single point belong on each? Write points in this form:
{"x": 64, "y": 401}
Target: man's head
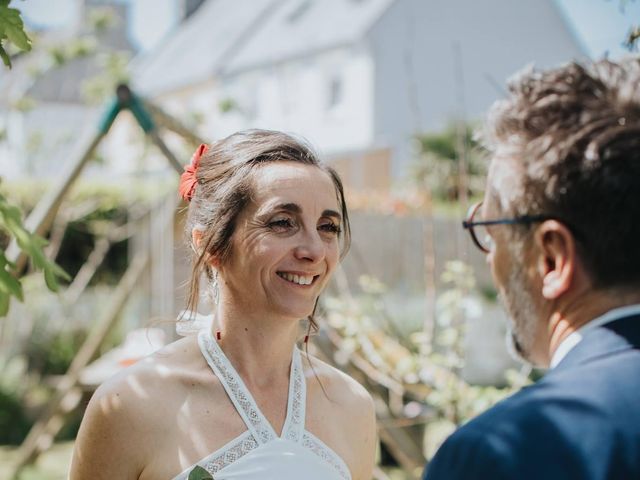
{"x": 565, "y": 144}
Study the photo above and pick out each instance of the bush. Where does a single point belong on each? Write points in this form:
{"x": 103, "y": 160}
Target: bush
{"x": 14, "y": 422}
{"x": 437, "y": 168}
{"x": 51, "y": 353}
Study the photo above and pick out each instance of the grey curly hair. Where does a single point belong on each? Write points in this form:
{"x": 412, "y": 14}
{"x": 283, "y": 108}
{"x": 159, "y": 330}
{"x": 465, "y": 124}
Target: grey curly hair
{"x": 574, "y": 133}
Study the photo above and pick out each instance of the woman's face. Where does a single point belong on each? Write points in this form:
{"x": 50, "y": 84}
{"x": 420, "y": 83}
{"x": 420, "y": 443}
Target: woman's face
{"x": 285, "y": 245}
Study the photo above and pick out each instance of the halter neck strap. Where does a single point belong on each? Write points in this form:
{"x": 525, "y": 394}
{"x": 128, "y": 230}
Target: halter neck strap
{"x": 244, "y": 402}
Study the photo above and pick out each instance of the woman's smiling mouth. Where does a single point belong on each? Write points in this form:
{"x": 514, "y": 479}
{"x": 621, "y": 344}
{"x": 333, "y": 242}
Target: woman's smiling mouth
{"x": 297, "y": 278}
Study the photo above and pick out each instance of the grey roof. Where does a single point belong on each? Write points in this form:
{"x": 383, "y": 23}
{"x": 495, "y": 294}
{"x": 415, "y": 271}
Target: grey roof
{"x": 300, "y": 27}
{"x": 64, "y": 83}
{"x": 200, "y": 46}
{"x": 225, "y": 36}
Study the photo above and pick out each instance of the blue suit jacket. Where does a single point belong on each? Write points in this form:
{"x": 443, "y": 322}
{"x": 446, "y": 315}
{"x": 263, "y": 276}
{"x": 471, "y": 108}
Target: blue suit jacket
{"x": 581, "y": 421}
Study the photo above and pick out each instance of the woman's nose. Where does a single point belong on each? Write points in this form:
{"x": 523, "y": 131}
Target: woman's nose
{"x": 310, "y": 248}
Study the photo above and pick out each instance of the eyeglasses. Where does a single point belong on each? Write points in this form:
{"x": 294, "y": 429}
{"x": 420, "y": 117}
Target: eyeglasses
{"x": 478, "y": 231}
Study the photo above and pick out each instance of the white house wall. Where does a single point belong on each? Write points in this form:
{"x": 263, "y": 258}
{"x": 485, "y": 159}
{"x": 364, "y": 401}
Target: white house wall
{"x": 38, "y": 141}
{"x": 438, "y": 60}
{"x": 295, "y": 96}
{"x": 12, "y": 151}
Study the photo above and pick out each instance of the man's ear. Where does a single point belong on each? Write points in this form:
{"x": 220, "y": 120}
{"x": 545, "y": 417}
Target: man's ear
{"x": 557, "y": 259}
{"x": 197, "y": 238}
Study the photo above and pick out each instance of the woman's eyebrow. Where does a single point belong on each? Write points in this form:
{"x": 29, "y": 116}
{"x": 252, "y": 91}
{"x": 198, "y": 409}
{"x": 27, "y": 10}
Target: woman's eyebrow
{"x": 289, "y": 207}
{"x": 296, "y": 209}
{"x": 332, "y": 213}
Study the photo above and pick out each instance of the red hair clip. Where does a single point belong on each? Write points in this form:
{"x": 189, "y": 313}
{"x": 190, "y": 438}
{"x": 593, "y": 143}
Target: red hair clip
{"x": 188, "y": 179}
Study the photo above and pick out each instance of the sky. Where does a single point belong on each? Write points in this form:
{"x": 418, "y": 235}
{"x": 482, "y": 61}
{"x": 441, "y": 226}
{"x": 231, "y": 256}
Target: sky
{"x": 600, "y": 25}
{"x": 150, "y": 19}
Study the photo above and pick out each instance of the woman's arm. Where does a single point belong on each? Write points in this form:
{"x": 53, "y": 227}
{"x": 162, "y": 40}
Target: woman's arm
{"x": 109, "y": 442}
{"x": 368, "y": 441}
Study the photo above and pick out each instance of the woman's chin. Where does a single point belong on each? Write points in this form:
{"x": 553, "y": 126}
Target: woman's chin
{"x": 296, "y": 314}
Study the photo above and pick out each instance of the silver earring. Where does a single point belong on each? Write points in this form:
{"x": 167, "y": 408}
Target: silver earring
{"x": 216, "y": 288}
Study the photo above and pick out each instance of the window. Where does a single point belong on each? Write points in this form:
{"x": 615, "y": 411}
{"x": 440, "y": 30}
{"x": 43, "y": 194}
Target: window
{"x": 335, "y": 92}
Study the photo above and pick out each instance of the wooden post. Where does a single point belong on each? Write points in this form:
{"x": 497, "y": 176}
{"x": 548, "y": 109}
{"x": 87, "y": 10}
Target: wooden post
{"x": 167, "y": 121}
{"x": 173, "y": 161}
{"x": 66, "y": 397}
{"x": 42, "y": 216}
{"x": 44, "y": 430}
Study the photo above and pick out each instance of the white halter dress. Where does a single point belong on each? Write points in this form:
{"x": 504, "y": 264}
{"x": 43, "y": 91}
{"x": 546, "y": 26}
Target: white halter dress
{"x": 259, "y": 453}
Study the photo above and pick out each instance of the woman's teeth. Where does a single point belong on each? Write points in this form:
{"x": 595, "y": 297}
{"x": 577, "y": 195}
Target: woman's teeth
{"x": 299, "y": 279}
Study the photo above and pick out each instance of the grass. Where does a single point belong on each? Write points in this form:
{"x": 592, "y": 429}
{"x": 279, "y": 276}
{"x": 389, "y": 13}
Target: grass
{"x": 51, "y": 465}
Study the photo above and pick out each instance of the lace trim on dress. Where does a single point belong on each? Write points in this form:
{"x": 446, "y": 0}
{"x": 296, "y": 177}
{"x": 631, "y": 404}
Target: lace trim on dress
{"x": 294, "y": 423}
{"x": 236, "y": 389}
{"x": 242, "y": 399}
{"x": 317, "y": 446}
{"x": 225, "y": 455}
{"x": 259, "y": 428}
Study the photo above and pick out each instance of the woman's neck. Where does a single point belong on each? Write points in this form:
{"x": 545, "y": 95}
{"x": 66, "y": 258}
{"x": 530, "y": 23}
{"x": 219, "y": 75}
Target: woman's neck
{"x": 259, "y": 347}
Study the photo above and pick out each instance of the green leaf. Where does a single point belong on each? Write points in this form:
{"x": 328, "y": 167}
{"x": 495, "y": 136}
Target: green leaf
{"x": 19, "y": 38}
{"x": 8, "y": 283}
{"x": 58, "y": 271}
{"x": 5, "y": 57}
{"x": 4, "y": 304}
{"x": 30, "y": 244}
{"x": 51, "y": 280}
{"x": 52, "y": 273}
{"x": 199, "y": 473}
{"x": 12, "y": 28}
{"x": 10, "y": 211}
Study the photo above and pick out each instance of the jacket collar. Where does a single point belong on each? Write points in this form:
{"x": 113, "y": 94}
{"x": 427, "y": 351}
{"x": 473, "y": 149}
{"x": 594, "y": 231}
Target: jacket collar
{"x": 615, "y": 336}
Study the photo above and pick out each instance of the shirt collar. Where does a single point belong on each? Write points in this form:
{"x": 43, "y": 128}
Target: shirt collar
{"x": 575, "y": 337}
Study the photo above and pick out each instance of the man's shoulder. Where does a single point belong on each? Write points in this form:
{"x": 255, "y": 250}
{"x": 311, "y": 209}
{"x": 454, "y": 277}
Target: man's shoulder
{"x": 524, "y": 413}
{"x": 573, "y": 400}
{"x": 506, "y": 439}
{"x": 547, "y": 428}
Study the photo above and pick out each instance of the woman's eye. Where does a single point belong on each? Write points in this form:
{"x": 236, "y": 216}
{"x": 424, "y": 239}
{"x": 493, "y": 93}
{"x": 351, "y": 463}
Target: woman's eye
{"x": 281, "y": 224}
{"x": 330, "y": 228}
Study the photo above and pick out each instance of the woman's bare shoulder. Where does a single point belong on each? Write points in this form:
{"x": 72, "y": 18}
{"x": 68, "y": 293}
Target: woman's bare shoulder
{"x": 166, "y": 369}
{"x": 338, "y": 386}
{"x": 352, "y": 431}
{"x": 127, "y": 411}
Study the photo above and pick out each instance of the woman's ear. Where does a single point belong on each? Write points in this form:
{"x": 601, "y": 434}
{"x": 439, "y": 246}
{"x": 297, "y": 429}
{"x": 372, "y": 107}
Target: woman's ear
{"x": 197, "y": 236}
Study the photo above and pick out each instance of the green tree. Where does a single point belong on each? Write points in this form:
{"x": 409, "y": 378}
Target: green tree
{"x": 438, "y": 164}
{"x": 11, "y": 226}
{"x": 633, "y": 35}
{"x": 12, "y": 31}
